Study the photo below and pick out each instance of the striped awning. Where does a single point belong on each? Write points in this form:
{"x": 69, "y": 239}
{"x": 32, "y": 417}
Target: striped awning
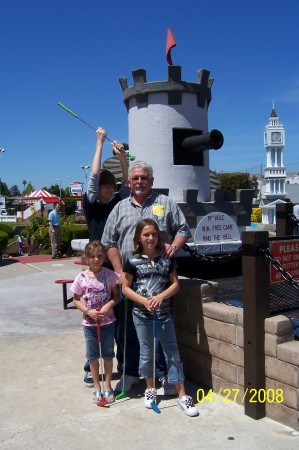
{"x": 45, "y": 196}
{"x": 40, "y": 193}
{"x": 113, "y": 164}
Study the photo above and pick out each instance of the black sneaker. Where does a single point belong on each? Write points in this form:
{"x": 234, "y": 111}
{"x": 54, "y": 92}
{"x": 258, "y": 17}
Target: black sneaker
{"x": 88, "y": 379}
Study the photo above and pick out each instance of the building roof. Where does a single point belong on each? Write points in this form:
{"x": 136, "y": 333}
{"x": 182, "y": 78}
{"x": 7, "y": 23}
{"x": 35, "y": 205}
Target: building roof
{"x": 46, "y": 196}
{"x": 292, "y": 192}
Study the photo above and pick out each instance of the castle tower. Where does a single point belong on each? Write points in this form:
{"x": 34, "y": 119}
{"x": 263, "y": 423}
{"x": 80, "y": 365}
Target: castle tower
{"x": 168, "y": 124}
{"x": 275, "y": 173}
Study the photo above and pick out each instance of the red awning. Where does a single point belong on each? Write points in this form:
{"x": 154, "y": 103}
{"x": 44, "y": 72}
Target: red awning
{"x": 51, "y": 200}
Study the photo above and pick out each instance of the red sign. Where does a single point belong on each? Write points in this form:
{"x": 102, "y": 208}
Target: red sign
{"x": 76, "y": 188}
{"x": 287, "y": 253}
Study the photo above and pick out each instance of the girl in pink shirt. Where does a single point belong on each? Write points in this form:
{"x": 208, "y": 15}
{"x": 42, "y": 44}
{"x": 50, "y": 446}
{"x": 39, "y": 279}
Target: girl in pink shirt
{"x": 95, "y": 294}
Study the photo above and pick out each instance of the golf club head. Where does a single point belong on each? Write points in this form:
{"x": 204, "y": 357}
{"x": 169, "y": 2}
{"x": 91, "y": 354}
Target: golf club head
{"x": 155, "y": 407}
{"x": 121, "y": 395}
{"x": 102, "y": 403}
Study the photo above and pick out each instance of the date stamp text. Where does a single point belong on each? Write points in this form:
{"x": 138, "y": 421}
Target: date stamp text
{"x": 235, "y": 395}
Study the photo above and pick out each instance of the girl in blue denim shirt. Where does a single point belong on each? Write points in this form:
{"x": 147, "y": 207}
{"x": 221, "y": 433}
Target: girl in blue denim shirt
{"x": 150, "y": 280}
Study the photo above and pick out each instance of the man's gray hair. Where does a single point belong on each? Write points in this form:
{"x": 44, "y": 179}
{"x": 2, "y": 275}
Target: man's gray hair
{"x": 140, "y": 165}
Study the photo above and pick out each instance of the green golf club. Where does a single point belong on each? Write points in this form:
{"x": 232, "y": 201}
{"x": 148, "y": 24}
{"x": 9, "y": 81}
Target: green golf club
{"x": 131, "y": 157}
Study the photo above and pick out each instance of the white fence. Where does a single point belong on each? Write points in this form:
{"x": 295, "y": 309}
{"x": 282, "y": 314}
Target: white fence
{"x": 5, "y": 218}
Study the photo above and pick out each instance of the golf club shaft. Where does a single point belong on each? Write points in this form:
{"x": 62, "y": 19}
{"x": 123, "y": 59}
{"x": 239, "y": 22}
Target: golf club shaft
{"x": 123, "y": 392}
{"x": 79, "y": 118}
{"x": 153, "y": 403}
{"x": 101, "y": 359}
{"x": 132, "y": 157}
{"x": 125, "y": 340}
{"x": 154, "y": 349}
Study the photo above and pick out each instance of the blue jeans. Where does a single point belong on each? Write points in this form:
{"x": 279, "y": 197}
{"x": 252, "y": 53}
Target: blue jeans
{"x": 132, "y": 350}
{"x": 119, "y": 354}
{"x": 107, "y": 342}
{"x": 132, "y": 345}
{"x": 166, "y": 333}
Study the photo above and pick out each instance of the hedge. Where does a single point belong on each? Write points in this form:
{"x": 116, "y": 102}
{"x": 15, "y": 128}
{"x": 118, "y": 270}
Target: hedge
{"x": 7, "y": 229}
{"x": 3, "y": 240}
{"x": 69, "y": 232}
{"x": 256, "y": 215}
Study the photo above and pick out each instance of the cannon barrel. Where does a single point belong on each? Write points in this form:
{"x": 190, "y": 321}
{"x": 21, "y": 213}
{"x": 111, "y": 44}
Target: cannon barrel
{"x": 212, "y": 140}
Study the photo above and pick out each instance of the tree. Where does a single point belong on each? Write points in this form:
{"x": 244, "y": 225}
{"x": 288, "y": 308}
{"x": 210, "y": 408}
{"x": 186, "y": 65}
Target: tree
{"x": 14, "y": 191}
{"x": 54, "y": 189}
{"x": 255, "y": 186}
{"x": 29, "y": 188}
{"x": 233, "y": 181}
{"x": 4, "y": 191}
{"x": 24, "y": 182}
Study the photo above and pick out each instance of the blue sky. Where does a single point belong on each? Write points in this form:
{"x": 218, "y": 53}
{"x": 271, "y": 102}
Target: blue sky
{"x": 75, "y": 51}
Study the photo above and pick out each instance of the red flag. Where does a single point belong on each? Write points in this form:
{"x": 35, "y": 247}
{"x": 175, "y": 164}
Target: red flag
{"x": 170, "y": 42}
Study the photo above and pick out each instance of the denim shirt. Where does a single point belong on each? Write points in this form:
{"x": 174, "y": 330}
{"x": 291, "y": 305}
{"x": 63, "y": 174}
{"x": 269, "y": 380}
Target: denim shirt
{"x": 121, "y": 223}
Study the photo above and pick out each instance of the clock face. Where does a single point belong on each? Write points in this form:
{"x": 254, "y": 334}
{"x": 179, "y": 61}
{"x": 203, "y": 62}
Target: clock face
{"x": 276, "y": 136}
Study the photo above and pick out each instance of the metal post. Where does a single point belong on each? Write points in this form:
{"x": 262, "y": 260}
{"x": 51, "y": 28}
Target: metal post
{"x": 60, "y": 180}
{"x": 284, "y": 223}
{"x": 256, "y": 308}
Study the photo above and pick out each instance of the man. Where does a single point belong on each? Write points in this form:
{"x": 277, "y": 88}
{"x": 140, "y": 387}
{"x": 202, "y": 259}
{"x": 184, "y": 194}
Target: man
{"x": 118, "y": 238}
{"x": 54, "y": 230}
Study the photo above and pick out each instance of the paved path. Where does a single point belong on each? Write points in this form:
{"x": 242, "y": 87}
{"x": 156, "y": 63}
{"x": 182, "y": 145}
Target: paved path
{"x": 45, "y": 405}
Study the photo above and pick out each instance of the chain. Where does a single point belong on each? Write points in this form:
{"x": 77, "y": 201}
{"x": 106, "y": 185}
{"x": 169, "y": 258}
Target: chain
{"x": 278, "y": 267}
{"x": 264, "y": 250}
{"x": 212, "y": 259}
{"x": 294, "y": 218}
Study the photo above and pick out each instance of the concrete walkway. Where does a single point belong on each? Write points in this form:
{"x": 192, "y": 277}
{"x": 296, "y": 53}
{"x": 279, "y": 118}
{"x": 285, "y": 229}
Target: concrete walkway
{"x": 45, "y": 404}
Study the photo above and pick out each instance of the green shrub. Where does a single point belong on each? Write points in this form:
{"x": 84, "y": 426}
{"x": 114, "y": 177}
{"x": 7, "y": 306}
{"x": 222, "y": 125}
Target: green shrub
{"x": 7, "y": 229}
{"x": 38, "y": 231}
{"x": 3, "y": 240}
{"x": 70, "y": 206}
{"x": 233, "y": 181}
{"x": 69, "y": 232}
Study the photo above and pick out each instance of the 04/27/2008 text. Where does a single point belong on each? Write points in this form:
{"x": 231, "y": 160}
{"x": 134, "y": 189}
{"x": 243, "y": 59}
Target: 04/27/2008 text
{"x": 236, "y": 395}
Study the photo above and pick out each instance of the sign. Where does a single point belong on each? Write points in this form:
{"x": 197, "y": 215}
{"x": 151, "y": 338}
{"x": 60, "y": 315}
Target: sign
{"x": 287, "y": 253}
{"x": 76, "y": 188}
{"x": 216, "y": 227}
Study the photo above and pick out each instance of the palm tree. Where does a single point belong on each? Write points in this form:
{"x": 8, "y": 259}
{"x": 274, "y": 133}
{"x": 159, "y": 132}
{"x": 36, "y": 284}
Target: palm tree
{"x": 24, "y": 182}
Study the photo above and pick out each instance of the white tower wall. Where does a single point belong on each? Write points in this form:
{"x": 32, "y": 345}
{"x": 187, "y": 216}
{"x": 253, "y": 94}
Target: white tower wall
{"x": 150, "y": 139}
{"x": 154, "y": 110}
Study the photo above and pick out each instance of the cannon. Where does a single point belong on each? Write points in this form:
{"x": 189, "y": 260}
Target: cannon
{"x": 189, "y": 143}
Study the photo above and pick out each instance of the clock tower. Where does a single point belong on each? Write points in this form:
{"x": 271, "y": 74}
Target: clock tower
{"x": 275, "y": 173}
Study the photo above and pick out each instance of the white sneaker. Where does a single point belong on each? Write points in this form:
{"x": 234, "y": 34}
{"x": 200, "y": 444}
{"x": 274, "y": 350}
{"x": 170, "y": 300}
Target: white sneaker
{"x": 187, "y": 405}
{"x": 169, "y": 388}
{"x": 129, "y": 382}
{"x": 150, "y": 396}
